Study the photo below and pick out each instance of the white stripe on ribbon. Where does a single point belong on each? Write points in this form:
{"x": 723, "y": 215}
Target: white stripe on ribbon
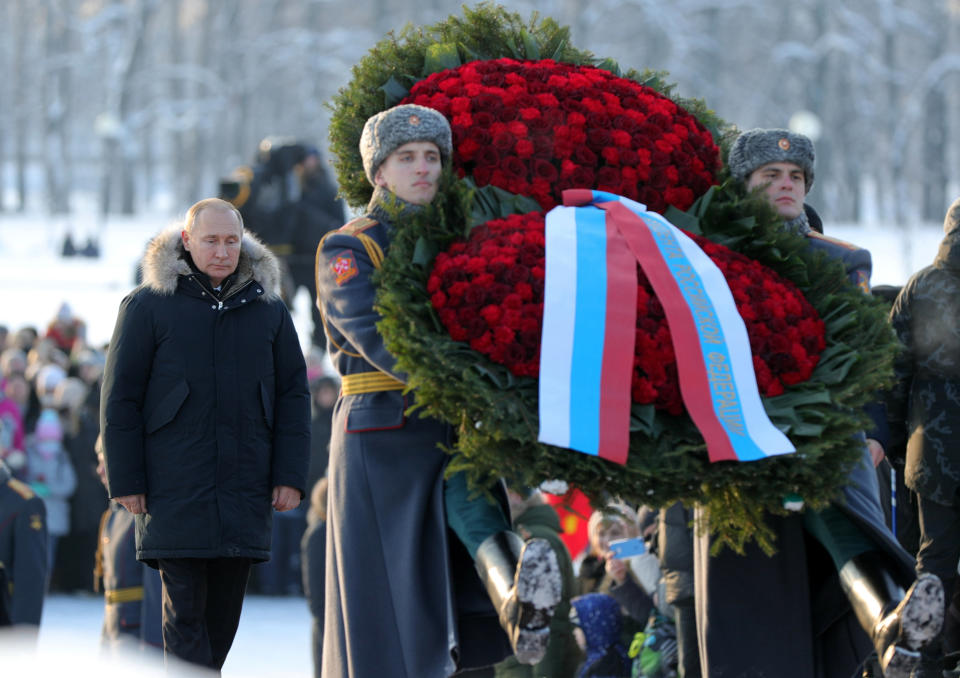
{"x": 559, "y": 317}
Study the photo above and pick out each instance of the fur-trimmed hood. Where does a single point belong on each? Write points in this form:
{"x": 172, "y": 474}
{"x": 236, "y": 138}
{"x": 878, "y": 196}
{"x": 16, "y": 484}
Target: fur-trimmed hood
{"x": 163, "y": 264}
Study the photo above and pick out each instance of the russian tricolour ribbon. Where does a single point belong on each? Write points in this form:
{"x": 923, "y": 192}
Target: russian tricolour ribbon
{"x": 593, "y": 244}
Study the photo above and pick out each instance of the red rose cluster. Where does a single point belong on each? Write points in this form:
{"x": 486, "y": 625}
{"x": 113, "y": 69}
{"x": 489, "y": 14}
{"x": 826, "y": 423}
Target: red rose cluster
{"x": 488, "y": 292}
{"x": 536, "y": 128}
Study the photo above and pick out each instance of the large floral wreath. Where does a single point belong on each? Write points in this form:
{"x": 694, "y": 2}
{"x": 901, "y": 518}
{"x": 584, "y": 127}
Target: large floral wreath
{"x": 461, "y": 288}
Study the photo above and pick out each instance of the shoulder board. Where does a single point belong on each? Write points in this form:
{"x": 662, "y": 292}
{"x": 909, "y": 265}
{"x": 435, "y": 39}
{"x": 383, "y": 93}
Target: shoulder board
{"x": 835, "y": 241}
{"x": 357, "y": 225}
{"x": 20, "y": 488}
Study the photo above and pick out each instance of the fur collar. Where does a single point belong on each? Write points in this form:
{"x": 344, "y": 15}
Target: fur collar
{"x": 163, "y": 265}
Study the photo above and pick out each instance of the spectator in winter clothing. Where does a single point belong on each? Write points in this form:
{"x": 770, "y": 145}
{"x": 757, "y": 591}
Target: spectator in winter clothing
{"x": 632, "y": 581}
{"x": 390, "y": 506}
{"x": 66, "y": 330}
{"x": 89, "y": 500}
{"x": 924, "y": 409}
{"x": 675, "y": 549}
{"x": 205, "y": 415}
{"x": 597, "y": 619}
{"x": 23, "y": 549}
{"x": 839, "y": 581}
{"x": 50, "y": 474}
{"x": 313, "y": 551}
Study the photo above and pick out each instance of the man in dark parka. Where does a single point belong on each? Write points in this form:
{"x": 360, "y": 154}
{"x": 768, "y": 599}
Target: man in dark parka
{"x": 924, "y": 405}
{"x": 205, "y": 417}
{"x": 839, "y": 585}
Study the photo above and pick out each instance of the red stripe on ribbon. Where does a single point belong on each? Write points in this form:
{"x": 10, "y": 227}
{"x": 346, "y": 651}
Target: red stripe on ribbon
{"x": 618, "y": 347}
{"x": 694, "y": 383}
{"x": 577, "y": 197}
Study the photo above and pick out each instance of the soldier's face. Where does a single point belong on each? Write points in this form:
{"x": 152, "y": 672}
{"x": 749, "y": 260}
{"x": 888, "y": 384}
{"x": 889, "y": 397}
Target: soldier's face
{"x": 214, "y": 243}
{"x": 412, "y": 172}
{"x": 784, "y": 185}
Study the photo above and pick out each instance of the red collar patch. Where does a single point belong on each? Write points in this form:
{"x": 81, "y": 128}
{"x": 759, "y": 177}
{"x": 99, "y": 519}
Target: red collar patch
{"x": 344, "y": 266}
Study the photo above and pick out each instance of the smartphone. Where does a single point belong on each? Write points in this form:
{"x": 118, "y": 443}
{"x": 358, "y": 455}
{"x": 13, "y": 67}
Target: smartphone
{"x": 625, "y": 548}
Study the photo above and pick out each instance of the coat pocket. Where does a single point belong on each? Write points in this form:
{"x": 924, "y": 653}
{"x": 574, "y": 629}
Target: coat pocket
{"x": 266, "y": 402}
{"x": 376, "y": 412}
{"x": 166, "y": 409}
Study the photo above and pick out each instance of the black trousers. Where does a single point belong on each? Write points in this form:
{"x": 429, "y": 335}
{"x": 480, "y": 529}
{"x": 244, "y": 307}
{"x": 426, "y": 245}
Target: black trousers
{"x": 202, "y": 598}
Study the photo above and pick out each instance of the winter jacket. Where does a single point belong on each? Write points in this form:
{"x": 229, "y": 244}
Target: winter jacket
{"x": 924, "y": 405}
{"x": 397, "y": 578}
{"x": 598, "y": 616}
{"x": 205, "y": 406}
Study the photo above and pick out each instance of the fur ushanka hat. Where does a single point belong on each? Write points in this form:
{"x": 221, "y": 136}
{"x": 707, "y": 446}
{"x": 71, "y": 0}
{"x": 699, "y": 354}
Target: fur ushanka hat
{"x": 758, "y": 147}
{"x": 388, "y": 130}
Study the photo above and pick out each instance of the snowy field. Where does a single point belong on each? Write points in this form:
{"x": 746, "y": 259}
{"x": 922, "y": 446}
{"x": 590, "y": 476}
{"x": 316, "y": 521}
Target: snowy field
{"x": 273, "y": 640}
{"x": 35, "y": 279}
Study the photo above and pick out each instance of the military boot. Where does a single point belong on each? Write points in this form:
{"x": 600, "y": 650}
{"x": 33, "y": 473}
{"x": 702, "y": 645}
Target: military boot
{"x": 524, "y": 584}
{"x": 899, "y": 623}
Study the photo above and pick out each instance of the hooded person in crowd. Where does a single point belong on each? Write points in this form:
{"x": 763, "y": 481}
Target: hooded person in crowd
{"x": 397, "y": 578}
{"x": 205, "y": 418}
{"x": 839, "y": 585}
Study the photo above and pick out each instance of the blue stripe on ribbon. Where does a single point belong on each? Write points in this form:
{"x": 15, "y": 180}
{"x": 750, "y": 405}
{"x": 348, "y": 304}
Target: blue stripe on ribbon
{"x": 590, "y": 330}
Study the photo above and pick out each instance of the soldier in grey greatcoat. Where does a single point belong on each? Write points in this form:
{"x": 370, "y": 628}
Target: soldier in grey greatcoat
{"x": 839, "y": 585}
{"x": 400, "y": 538}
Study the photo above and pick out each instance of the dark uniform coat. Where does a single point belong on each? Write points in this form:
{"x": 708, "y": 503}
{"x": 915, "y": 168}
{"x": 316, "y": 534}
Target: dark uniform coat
{"x": 392, "y": 605}
{"x": 785, "y": 616}
{"x": 925, "y": 404}
{"x": 205, "y": 406}
{"x": 131, "y": 590}
{"x": 23, "y": 548}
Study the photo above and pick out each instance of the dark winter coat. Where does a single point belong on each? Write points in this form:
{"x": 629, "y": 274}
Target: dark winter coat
{"x": 675, "y": 544}
{"x": 402, "y": 595}
{"x": 23, "y": 548}
{"x": 205, "y": 406}
{"x": 924, "y": 406}
{"x": 791, "y": 600}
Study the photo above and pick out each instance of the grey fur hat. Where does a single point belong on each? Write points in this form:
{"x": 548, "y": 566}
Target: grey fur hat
{"x": 388, "y": 130}
{"x": 758, "y": 147}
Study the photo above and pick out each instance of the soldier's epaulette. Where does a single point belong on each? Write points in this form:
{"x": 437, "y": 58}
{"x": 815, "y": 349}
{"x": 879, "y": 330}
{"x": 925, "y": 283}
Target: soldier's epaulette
{"x": 358, "y": 225}
{"x": 20, "y": 488}
{"x": 835, "y": 241}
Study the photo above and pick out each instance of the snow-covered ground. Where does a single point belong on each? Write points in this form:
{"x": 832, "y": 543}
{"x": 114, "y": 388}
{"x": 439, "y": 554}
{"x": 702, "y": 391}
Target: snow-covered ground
{"x": 273, "y": 640}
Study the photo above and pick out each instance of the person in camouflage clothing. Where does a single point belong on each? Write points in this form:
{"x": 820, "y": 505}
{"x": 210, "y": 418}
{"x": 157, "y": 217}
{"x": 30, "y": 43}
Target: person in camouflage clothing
{"x": 924, "y": 406}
